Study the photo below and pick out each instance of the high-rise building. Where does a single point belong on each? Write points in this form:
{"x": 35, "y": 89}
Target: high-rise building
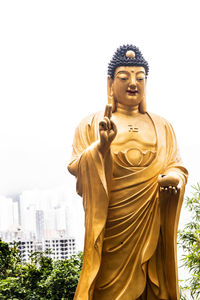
{"x": 28, "y": 212}
{"x": 61, "y": 248}
{"x": 39, "y": 224}
{"x": 26, "y": 248}
{"x": 15, "y": 214}
{"x": 39, "y": 220}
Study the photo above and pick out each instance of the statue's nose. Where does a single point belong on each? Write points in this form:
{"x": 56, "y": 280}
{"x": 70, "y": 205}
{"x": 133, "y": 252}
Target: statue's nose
{"x": 132, "y": 83}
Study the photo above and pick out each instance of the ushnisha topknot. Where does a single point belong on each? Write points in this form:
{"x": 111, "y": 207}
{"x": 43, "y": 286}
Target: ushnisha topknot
{"x": 127, "y": 55}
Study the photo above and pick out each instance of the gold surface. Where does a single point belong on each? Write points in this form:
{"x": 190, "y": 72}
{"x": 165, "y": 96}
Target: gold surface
{"x": 130, "y": 53}
{"x": 132, "y": 181}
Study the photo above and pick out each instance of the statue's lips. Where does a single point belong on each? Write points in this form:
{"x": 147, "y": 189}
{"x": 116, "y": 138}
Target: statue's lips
{"x": 132, "y": 92}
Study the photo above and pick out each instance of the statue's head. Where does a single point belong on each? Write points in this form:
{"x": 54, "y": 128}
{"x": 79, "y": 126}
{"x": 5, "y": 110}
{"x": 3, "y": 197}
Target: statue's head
{"x": 127, "y": 73}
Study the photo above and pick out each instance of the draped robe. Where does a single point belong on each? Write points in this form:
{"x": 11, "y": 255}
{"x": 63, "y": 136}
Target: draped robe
{"x": 130, "y": 228}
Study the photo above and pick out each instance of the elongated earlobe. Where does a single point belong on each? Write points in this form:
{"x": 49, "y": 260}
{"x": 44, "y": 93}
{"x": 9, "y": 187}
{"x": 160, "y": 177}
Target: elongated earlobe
{"x": 111, "y": 99}
{"x": 142, "y": 106}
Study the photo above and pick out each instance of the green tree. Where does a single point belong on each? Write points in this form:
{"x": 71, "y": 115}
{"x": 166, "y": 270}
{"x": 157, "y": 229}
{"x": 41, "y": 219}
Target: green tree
{"x": 189, "y": 239}
{"x": 9, "y": 259}
{"x": 64, "y": 278}
{"x": 41, "y": 278}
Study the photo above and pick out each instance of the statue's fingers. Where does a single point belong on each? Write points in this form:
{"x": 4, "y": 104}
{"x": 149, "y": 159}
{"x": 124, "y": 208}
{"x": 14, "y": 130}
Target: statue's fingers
{"x": 162, "y": 188}
{"x": 102, "y": 125}
{"x": 170, "y": 188}
{"x": 113, "y": 126}
{"x": 174, "y": 190}
{"x": 108, "y": 111}
{"x": 108, "y": 122}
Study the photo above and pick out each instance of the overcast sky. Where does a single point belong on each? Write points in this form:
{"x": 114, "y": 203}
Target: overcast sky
{"x": 53, "y": 70}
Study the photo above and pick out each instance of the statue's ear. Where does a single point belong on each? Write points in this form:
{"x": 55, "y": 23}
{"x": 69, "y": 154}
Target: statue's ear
{"x": 109, "y": 86}
{"x": 111, "y": 99}
{"x": 142, "y": 105}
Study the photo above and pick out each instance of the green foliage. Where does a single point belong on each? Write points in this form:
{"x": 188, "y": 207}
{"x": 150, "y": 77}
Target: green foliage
{"x": 9, "y": 259}
{"x": 189, "y": 239}
{"x": 41, "y": 278}
{"x": 64, "y": 278}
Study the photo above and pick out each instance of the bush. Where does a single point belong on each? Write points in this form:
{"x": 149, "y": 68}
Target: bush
{"x": 42, "y": 278}
{"x": 189, "y": 239}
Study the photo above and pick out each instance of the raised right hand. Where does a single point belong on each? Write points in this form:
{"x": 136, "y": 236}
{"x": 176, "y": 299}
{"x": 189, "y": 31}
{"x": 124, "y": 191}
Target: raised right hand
{"x": 107, "y": 130}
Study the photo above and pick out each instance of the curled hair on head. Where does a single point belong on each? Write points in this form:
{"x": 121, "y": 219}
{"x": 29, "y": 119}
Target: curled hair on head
{"x": 120, "y": 59}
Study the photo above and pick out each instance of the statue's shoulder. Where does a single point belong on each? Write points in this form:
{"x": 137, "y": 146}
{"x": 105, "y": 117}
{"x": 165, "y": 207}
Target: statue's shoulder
{"x": 91, "y": 119}
{"x": 159, "y": 120}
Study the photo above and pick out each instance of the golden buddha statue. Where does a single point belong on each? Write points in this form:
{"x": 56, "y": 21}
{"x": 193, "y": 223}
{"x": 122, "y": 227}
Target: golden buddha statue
{"x": 132, "y": 181}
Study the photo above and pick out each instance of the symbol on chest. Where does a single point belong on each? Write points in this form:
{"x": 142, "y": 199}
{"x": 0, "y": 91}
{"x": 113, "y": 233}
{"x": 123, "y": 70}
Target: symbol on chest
{"x": 133, "y": 128}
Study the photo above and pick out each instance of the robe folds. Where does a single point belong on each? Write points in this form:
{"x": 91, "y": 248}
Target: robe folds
{"x": 130, "y": 227}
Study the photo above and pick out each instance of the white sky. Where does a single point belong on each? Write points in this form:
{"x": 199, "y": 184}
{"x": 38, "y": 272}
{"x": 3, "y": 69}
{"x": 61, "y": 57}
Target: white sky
{"x": 53, "y": 69}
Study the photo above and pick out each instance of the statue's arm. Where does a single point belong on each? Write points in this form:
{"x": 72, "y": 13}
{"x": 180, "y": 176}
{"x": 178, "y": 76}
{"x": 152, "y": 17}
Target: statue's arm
{"x": 171, "y": 192}
{"x": 83, "y": 139}
{"x": 175, "y": 175}
{"x": 86, "y": 138}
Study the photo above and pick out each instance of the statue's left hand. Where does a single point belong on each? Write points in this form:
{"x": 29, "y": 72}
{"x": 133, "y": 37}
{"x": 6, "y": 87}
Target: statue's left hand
{"x": 169, "y": 183}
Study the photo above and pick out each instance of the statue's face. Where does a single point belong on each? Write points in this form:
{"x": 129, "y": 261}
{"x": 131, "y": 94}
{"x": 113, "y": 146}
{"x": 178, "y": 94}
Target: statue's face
{"x": 129, "y": 85}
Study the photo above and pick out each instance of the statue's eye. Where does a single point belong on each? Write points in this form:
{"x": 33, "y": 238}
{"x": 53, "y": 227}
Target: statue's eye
{"x": 123, "y": 78}
{"x": 140, "y": 78}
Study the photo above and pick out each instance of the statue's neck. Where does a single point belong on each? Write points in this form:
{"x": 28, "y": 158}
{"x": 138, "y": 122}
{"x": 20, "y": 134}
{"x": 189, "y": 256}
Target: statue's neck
{"x": 127, "y": 110}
